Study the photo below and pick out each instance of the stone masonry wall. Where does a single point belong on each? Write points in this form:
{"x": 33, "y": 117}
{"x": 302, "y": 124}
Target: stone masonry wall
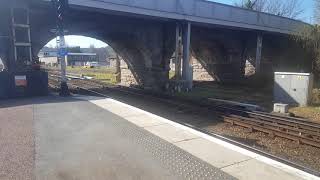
{"x": 127, "y": 78}
{"x": 249, "y": 69}
{"x": 199, "y": 72}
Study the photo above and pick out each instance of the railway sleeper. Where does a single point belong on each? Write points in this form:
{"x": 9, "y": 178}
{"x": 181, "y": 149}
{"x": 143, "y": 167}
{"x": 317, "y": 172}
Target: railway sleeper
{"x": 294, "y": 124}
{"x": 300, "y": 123}
{"x": 286, "y": 131}
{"x": 277, "y": 118}
{"x": 278, "y": 126}
{"x": 301, "y": 140}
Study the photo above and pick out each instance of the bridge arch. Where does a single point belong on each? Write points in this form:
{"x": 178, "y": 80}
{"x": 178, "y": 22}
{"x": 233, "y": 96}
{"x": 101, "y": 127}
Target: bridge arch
{"x": 123, "y": 51}
{"x": 143, "y": 44}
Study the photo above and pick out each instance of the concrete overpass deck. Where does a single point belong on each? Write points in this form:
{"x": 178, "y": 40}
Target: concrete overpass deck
{"x": 85, "y": 137}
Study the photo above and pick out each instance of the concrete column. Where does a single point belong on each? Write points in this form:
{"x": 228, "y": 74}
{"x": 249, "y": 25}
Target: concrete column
{"x": 258, "y": 53}
{"x": 187, "y": 71}
{"x": 63, "y": 60}
{"x": 178, "y": 52}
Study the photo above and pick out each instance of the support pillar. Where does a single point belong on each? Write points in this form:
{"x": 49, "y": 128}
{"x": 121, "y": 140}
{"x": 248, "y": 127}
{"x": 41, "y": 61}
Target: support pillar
{"x": 259, "y": 53}
{"x": 187, "y": 70}
{"x": 64, "y": 90}
{"x": 178, "y": 52}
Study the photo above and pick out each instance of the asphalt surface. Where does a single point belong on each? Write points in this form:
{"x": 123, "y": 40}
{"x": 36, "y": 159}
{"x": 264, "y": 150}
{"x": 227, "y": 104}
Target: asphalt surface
{"x": 76, "y": 139}
{"x": 73, "y": 138}
{"x": 16, "y": 142}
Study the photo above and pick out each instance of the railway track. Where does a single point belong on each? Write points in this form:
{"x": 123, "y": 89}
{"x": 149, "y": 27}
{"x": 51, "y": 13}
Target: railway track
{"x": 299, "y": 130}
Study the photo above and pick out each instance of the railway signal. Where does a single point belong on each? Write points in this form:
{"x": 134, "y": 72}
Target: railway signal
{"x": 61, "y": 8}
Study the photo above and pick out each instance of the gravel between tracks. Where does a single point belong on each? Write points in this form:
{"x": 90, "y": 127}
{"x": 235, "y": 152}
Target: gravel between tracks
{"x": 302, "y": 154}
{"x": 16, "y": 143}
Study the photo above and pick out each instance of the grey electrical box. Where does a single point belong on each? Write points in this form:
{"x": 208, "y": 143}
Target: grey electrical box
{"x": 293, "y": 88}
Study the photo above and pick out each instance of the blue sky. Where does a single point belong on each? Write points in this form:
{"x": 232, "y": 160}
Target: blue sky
{"x": 307, "y": 6}
{"x": 81, "y": 41}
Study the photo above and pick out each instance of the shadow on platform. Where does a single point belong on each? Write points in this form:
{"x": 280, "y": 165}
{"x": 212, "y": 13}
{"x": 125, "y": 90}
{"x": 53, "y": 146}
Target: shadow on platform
{"x": 52, "y": 98}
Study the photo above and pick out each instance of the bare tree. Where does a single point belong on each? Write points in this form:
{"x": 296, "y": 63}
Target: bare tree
{"x": 317, "y": 11}
{"x": 257, "y": 5}
{"x": 310, "y": 38}
{"x": 285, "y": 8}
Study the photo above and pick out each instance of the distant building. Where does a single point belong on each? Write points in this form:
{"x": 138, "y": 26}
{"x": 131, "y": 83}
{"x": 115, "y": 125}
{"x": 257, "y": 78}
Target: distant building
{"x": 49, "y": 61}
{"x": 81, "y": 59}
{"x": 48, "y": 57}
{"x": 47, "y": 52}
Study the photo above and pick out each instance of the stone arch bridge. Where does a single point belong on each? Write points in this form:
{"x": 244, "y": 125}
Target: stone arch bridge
{"x": 148, "y": 33}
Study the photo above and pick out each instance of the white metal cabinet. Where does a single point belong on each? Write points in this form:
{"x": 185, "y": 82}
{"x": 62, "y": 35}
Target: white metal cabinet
{"x": 293, "y": 88}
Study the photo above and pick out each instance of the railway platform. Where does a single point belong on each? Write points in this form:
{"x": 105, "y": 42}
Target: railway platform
{"x": 83, "y": 137}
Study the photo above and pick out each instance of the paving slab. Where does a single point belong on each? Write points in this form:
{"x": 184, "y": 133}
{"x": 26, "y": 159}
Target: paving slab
{"x": 170, "y": 133}
{"x": 254, "y": 169}
{"x": 144, "y": 120}
{"x": 212, "y": 153}
{"x": 16, "y": 141}
{"x": 79, "y": 140}
{"x": 116, "y": 108}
